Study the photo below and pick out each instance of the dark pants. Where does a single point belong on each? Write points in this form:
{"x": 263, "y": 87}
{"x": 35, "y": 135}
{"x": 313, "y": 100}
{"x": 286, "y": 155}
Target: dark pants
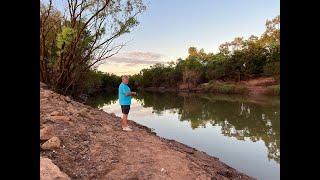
{"x": 125, "y": 109}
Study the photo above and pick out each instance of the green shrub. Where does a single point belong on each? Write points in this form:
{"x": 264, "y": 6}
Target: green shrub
{"x": 273, "y": 90}
{"x": 272, "y": 69}
{"x": 226, "y": 88}
{"x": 241, "y": 89}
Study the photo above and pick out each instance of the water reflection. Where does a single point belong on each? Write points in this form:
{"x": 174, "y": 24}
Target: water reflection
{"x": 238, "y": 116}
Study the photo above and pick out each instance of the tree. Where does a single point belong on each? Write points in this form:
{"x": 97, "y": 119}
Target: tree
{"x": 86, "y": 38}
{"x": 192, "y": 51}
{"x": 50, "y": 25}
{"x": 192, "y": 69}
{"x": 215, "y": 68}
{"x": 271, "y": 40}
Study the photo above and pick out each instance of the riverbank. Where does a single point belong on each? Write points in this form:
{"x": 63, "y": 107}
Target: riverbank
{"x": 254, "y": 87}
{"x": 87, "y": 143}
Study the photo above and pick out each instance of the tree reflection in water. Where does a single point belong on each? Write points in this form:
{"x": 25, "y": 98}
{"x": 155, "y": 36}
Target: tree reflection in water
{"x": 238, "y": 116}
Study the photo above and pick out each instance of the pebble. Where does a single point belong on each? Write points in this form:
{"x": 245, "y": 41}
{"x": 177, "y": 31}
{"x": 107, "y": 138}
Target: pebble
{"x": 114, "y": 161}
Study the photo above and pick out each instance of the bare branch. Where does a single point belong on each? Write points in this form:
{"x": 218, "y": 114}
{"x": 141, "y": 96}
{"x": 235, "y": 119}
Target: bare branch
{"x": 70, "y": 8}
{"x": 93, "y": 16}
{"x": 101, "y": 58}
{"x": 73, "y": 20}
{"x": 47, "y": 16}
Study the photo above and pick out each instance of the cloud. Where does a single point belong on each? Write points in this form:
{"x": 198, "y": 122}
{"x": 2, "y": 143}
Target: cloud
{"x": 136, "y": 58}
{"x": 131, "y": 62}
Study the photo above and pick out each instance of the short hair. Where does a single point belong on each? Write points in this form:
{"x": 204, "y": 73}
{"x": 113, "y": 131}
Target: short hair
{"x": 125, "y": 76}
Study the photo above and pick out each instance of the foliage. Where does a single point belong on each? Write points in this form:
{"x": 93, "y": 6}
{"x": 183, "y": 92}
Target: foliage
{"x": 272, "y": 69}
{"x": 273, "y": 90}
{"x": 96, "y": 81}
{"x": 72, "y": 45}
{"x": 238, "y": 60}
{"x": 224, "y": 88}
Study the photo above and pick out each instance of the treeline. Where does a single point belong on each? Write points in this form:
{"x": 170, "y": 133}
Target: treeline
{"x": 99, "y": 82}
{"x": 238, "y": 60}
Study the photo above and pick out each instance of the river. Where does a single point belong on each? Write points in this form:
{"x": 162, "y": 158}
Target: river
{"x": 243, "y": 132}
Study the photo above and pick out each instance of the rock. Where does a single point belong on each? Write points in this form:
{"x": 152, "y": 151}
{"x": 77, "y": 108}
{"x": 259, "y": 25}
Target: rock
{"x": 67, "y": 99}
{"x": 46, "y": 133}
{"x": 82, "y": 129}
{"x": 52, "y": 143}
{"x": 226, "y": 173}
{"x": 83, "y": 112}
{"x": 71, "y": 110}
{"x": 55, "y": 113}
{"x": 43, "y": 85}
{"x": 163, "y": 171}
{"x": 46, "y": 94}
{"x": 86, "y": 109}
{"x": 113, "y": 114}
{"x": 114, "y": 161}
{"x": 213, "y": 178}
{"x": 49, "y": 171}
{"x": 60, "y": 118}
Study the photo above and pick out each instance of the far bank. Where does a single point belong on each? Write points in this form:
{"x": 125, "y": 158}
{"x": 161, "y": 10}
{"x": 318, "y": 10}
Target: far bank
{"x": 258, "y": 86}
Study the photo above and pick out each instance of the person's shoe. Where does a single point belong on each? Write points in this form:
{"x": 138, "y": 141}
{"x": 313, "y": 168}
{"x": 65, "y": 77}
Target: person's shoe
{"x": 127, "y": 128}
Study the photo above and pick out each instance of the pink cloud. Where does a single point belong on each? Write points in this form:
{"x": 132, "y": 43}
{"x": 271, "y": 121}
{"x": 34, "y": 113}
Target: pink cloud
{"x": 136, "y": 58}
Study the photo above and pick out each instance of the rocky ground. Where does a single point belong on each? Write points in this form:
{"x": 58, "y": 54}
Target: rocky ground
{"x": 80, "y": 142}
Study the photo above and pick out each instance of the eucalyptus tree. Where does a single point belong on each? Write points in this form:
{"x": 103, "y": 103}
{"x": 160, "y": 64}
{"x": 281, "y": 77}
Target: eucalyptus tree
{"x": 81, "y": 36}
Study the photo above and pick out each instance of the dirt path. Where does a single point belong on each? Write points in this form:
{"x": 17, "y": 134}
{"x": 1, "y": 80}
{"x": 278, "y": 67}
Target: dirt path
{"x": 91, "y": 145}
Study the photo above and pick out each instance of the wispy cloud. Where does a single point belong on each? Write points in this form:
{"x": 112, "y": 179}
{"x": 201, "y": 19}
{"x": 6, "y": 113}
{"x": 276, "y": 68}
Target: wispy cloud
{"x": 137, "y": 58}
{"x": 131, "y": 62}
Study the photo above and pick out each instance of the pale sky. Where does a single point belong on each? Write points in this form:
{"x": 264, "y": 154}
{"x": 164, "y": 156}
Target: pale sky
{"x": 169, "y": 27}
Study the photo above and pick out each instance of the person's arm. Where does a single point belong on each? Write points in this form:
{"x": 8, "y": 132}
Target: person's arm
{"x": 131, "y": 93}
{"x": 127, "y": 92}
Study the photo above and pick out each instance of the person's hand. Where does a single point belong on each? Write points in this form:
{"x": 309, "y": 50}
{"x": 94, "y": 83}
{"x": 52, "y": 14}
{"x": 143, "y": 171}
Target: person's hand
{"x": 134, "y": 93}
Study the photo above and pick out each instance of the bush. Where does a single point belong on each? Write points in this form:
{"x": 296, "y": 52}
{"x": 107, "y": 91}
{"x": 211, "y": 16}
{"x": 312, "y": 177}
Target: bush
{"x": 272, "y": 69}
{"x": 273, "y": 90}
{"x": 216, "y": 72}
{"x": 239, "y": 89}
{"x": 226, "y": 88}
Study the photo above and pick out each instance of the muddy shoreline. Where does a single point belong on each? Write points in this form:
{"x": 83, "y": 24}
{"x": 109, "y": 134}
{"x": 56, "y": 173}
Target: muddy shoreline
{"x": 88, "y": 143}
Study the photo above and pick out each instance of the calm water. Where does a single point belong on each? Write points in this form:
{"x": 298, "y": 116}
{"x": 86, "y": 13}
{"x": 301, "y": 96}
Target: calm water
{"x": 242, "y": 132}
